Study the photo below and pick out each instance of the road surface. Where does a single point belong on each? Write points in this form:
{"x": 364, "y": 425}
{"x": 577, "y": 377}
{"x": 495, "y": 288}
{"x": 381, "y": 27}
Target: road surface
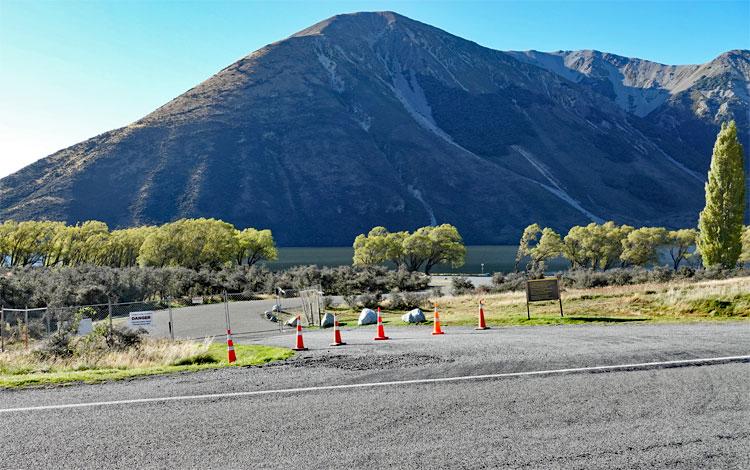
{"x": 663, "y": 415}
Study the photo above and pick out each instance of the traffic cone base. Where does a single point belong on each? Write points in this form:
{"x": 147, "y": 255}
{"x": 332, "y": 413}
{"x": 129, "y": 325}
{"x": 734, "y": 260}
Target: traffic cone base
{"x": 482, "y": 328}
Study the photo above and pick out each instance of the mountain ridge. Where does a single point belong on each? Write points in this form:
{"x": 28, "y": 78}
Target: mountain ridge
{"x": 289, "y": 134}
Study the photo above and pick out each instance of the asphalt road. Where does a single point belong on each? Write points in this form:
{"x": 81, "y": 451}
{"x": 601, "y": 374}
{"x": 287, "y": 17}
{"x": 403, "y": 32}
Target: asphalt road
{"x": 692, "y": 416}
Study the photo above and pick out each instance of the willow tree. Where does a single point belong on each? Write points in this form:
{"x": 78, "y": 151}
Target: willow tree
{"x": 721, "y": 221}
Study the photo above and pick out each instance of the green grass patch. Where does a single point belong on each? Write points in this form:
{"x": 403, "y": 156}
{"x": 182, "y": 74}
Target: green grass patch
{"x": 215, "y": 357}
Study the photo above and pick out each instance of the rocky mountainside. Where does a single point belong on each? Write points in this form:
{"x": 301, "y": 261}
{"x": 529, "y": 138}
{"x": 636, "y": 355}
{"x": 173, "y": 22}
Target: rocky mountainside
{"x": 376, "y": 119}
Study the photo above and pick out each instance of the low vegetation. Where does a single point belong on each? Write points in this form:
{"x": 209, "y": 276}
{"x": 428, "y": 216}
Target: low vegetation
{"x": 85, "y": 285}
{"x": 94, "y": 358}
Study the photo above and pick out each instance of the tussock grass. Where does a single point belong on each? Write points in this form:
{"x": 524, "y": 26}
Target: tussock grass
{"x": 20, "y": 368}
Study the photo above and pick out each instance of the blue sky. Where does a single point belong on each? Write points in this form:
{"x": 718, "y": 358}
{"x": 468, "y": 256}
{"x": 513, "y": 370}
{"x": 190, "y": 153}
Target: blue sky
{"x": 72, "y": 69}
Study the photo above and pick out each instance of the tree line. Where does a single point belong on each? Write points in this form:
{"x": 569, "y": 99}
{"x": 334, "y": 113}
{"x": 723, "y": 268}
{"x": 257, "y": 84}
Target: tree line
{"x": 189, "y": 243}
{"x": 721, "y": 239}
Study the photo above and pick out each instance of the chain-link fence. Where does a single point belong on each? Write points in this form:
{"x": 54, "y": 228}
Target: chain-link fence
{"x": 196, "y": 317}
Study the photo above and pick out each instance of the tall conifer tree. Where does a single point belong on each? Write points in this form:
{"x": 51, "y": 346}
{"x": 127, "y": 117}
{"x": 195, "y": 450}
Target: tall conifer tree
{"x": 721, "y": 221}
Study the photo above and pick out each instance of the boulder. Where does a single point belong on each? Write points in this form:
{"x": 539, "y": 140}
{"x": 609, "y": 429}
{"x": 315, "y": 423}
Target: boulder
{"x": 367, "y": 317}
{"x": 326, "y": 321}
{"x": 292, "y": 321}
{"x": 414, "y": 316}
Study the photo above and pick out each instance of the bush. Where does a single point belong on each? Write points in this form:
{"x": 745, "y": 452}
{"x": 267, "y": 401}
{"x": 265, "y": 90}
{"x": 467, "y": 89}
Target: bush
{"x": 508, "y": 282}
{"x": 351, "y": 301}
{"x": 57, "y": 345}
{"x": 461, "y": 285}
{"x": 369, "y": 300}
{"x": 408, "y": 300}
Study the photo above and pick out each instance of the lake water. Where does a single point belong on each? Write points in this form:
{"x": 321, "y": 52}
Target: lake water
{"x": 495, "y": 258}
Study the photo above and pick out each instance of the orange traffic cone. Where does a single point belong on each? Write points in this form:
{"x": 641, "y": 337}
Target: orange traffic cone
{"x": 336, "y": 334}
{"x": 482, "y": 324}
{"x": 300, "y": 345}
{"x": 381, "y": 331}
{"x": 436, "y": 330}
{"x": 230, "y": 348}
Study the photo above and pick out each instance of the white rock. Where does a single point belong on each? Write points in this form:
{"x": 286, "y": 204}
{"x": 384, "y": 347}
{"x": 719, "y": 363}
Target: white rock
{"x": 367, "y": 317}
{"x": 414, "y": 316}
{"x": 292, "y": 321}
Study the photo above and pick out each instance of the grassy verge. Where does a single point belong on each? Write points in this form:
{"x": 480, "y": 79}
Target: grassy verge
{"x": 24, "y": 369}
{"x": 654, "y": 302}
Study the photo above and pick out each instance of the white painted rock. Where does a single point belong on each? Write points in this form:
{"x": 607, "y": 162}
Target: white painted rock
{"x": 414, "y": 316}
{"x": 326, "y": 321}
{"x": 292, "y": 321}
{"x": 367, "y": 317}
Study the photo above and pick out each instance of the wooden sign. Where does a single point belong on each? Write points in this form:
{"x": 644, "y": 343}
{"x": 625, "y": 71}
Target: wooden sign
{"x": 539, "y": 290}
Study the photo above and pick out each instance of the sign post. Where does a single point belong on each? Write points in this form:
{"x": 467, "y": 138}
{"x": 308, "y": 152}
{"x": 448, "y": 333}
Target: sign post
{"x": 539, "y": 290}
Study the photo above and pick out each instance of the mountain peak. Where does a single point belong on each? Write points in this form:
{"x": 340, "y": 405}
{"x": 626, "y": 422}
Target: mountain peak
{"x": 372, "y": 20}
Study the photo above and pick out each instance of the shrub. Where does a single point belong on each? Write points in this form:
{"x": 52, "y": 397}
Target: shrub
{"x": 461, "y": 285}
{"x": 351, "y": 301}
{"x": 508, "y": 282}
{"x": 407, "y": 300}
{"x": 369, "y": 300}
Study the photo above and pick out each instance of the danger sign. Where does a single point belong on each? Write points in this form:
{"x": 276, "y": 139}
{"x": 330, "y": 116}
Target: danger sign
{"x": 140, "y": 318}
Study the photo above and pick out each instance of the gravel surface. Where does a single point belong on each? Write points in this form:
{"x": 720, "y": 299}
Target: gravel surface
{"x": 685, "y": 417}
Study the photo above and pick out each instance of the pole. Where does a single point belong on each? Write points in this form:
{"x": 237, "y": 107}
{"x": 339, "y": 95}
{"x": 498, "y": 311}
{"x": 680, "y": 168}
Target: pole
{"x": 226, "y": 310}
{"x": 528, "y": 314}
{"x": 171, "y": 330}
{"x": 109, "y": 309}
{"x": 2, "y": 328}
{"x": 26, "y": 328}
{"x": 561, "y": 311}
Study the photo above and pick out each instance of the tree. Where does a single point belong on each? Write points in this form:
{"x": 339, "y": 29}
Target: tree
{"x": 190, "y": 243}
{"x": 680, "y": 242}
{"x": 416, "y": 250}
{"x": 446, "y": 246}
{"x": 371, "y": 248}
{"x": 721, "y": 222}
{"x": 640, "y": 247}
{"x": 595, "y": 246}
{"x": 528, "y": 240}
{"x": 255, "y": 245}
{"x": 124, "y": 246}
{"x": 550, "y": 246}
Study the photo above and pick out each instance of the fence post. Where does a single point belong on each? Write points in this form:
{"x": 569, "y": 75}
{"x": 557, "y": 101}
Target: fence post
{"x": 49, "y": 328}
{"x": 26, "y": 327}
{"x": 171, "y": 325}
{"x": 109, "y": 309}
{"x": 226, "y": 311}
{"x": 2, "y": 328}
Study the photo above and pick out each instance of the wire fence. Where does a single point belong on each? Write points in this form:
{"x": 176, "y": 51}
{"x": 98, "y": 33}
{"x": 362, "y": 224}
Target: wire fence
{"x": 197, "y": 317}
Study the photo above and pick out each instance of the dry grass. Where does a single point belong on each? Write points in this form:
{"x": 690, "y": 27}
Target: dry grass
{"x": 20, "y": 368}
{"x": 672, "y": 301}
{"x": 150, "y": 353}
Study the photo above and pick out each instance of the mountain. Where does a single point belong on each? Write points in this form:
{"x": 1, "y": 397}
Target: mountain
{"x": 376, "y": 119}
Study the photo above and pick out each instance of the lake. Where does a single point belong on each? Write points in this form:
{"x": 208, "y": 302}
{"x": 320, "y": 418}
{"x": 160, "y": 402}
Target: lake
{"x": 495, "y": 258}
